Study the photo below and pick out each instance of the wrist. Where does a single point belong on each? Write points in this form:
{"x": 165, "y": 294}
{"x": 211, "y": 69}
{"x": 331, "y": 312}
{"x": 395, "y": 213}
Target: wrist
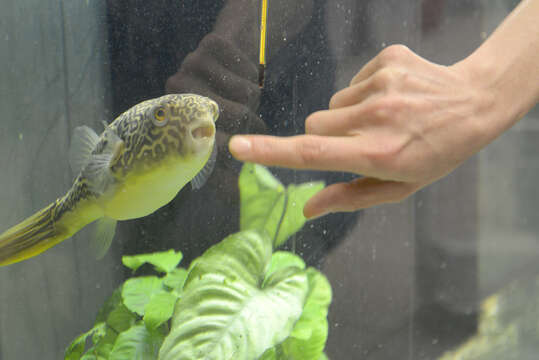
{"x": 491, "y": 109}
{"x": 506, "y": 65}
{"x": 504, "y": 89}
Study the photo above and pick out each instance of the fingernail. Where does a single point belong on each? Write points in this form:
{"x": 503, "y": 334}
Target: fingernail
{"x": 240, "y": 146}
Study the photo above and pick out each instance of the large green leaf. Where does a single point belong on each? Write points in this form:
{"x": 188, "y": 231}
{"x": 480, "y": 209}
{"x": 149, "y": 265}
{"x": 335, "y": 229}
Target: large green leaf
{"x": 309, "y": 336}
{"x": 164, "y": 261}
{"x": 224, "y": 313}
{"x": 281, "y": 260}
{"x": 137, "y": 343}
{"x": 308, "y": 339}
{"x": 267, "y": 204}
{"x": 243, "y": 256}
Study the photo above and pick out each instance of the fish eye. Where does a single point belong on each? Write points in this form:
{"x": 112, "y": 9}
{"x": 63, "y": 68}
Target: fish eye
{"x": 159, "y": 117}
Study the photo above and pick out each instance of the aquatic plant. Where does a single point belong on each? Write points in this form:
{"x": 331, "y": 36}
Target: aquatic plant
{"x": 242, "y": 299}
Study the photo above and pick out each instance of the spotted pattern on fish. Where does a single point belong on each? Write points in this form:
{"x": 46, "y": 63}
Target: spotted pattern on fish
{"x": 79, "y": 191}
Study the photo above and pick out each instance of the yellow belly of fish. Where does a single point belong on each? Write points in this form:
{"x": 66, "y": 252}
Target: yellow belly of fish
{"x": 142, "y": 194}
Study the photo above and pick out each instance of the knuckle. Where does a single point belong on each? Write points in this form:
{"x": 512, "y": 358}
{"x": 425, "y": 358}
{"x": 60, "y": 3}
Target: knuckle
{"x": 393, "y": 53}
{"x": 383, "y": 156}
{"x": 335, "y": 101}
{"x": 382, "y": 78}
{"x": 389, "y": 157}
{"x": 379, "y": 111}
{"x": 311, "y": 124}
{"x": 389, "y": 108}
{"x": 389, "y": 77}
{"x": 309, "y": 150}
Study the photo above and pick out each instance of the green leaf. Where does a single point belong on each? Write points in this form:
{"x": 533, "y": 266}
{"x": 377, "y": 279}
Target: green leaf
{"x": 308, "y": 339}
{"x": 121, "y": 319}
{"x": 91, "y": 357}
{"x": 159, "y": 309}
{"x": 243, "y": 256}
{"x": 258, "y": 177}
{"x": 117, "y": 319}
{"x": 284, "y": 259}
{"x": 164, "y": 261}
{"x": 175, "y": 279}
{"x": 266, "y": 204}
{"x": 76, "y": 349}
{"x": 137, "y": 292}
{"x": 293, "y": 218}
{"x": 137, "y": 343}
{"x": 260, "y": 193}
{"x": 109, "y": 305}
{"x": 224, "y": 313}
{"x": 270, "y": 354}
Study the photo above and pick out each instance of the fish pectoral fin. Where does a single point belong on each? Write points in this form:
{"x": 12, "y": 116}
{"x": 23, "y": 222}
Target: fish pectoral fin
{"x": 98, "y": 169}
{"x": 105, "y": 228}
{"x": 98, "y": 173}
{"x": 200, "y": 179}
{"x": 83, "y": 142}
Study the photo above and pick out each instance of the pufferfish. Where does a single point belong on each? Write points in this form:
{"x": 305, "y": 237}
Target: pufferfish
{"x": 137, "y": 165}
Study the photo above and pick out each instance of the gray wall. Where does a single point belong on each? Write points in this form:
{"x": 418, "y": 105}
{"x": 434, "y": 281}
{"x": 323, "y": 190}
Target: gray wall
{"x": 52, "y": 79}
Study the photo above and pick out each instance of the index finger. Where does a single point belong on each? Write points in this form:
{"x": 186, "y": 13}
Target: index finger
{"x": 330, "y": 153}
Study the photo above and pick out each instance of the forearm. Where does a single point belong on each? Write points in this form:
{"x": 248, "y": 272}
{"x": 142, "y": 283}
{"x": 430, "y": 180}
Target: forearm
{"x": 507, "y": 63}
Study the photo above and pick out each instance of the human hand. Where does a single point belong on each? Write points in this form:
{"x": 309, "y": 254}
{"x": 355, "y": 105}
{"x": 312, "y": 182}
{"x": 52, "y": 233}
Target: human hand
{"x": 402, "y": 123}
{"x": 221, "y": 71}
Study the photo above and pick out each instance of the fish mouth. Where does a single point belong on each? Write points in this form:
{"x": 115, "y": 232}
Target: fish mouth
{"x": 203, "y": 132}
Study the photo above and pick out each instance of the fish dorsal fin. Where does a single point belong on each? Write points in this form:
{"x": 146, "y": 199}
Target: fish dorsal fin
{"x": 98, "y": 168}
{"x": 83, "y": 143}
{"x": 105, "y": 228}
{"x": 200, "y": 179}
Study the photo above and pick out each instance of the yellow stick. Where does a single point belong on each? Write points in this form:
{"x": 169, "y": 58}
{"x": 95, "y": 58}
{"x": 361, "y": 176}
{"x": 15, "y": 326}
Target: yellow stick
{"x": 263, "y": 28}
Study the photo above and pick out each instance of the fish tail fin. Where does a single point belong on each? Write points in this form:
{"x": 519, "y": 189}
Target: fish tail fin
{"x": 32, "y": 236}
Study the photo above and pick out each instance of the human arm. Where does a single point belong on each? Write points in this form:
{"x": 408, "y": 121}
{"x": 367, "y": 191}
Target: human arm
{"x": 224, "y": 66}
{"x": 405, "y": 122}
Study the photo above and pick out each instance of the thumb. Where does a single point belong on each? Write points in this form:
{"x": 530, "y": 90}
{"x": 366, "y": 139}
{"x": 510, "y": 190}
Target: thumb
{"x": 358, "y": 194}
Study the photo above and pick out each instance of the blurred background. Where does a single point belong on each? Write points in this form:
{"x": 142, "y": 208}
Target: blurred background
{"x": 410, "y": 280}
